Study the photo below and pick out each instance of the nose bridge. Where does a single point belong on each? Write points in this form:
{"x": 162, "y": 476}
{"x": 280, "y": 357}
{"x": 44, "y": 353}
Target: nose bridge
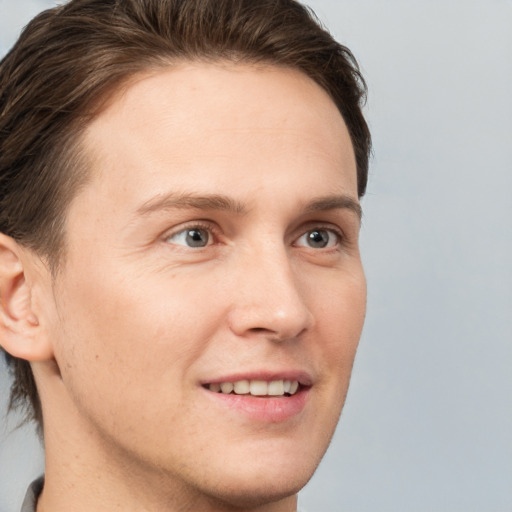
{"x": 270, "y": 299}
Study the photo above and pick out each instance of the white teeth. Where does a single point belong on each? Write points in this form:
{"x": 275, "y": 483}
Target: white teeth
{"x": 276, "y": 388}
{"x": 259, "y": 388}
{"x": 226, "y": 387}
{"x": 256, "y": 387}
{"x": 242, "y": 387}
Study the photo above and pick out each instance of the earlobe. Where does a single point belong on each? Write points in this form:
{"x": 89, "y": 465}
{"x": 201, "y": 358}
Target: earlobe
{"x": 21, "y": 334}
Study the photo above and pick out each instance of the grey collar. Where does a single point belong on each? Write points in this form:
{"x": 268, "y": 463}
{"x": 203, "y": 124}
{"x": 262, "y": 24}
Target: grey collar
{"x": 33, "y": 492}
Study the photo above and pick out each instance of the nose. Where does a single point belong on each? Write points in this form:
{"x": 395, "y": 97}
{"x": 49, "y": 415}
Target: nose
{"x": 269, "y": 301}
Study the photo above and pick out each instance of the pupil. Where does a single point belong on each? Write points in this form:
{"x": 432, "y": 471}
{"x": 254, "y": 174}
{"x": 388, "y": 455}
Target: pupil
{"x": 318, "y": 239}
{"x": 197, "y": 237}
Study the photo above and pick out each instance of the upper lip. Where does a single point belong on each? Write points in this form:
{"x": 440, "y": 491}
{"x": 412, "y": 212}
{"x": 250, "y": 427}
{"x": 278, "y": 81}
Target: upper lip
{"x": 303, "y": 377}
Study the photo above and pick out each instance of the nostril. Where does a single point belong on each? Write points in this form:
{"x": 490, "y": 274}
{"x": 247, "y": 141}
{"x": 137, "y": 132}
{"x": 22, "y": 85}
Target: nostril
{"x": 271, "y": 335}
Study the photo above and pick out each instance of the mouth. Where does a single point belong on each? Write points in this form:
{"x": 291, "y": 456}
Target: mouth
{"x": 261, "y": 396}
{"x": 257, "y": 388}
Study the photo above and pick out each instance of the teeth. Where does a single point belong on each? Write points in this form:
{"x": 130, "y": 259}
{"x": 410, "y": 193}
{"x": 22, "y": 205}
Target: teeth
{"x": 226, "y": 387}
{"x": 241, "y": 387}
{"x": 259, "y": 388}
{"x": 276, "y": 388}
{"x": 256, "y": 387}
{"x": 215, "y": 388}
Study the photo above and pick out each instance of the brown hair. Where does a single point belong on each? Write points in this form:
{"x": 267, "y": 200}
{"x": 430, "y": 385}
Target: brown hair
{"x": 70, "y": 58}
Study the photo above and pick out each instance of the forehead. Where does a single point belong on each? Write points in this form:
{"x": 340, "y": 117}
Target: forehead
{"x": 213, "y": 124}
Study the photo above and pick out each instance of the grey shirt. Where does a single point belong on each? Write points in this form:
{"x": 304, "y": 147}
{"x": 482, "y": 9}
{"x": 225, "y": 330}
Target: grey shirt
{"x": 33, "y": 492}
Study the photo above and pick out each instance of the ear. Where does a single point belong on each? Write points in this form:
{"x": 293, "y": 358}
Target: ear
{"x": 21, "y": 333}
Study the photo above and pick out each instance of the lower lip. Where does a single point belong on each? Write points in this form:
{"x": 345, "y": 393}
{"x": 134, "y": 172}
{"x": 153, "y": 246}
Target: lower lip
{"x": 263, "y": 409}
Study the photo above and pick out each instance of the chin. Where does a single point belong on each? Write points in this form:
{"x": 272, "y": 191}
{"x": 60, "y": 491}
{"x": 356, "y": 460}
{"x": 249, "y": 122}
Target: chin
{"x": 259, "y": 491}
{"x": 254, "y": 483}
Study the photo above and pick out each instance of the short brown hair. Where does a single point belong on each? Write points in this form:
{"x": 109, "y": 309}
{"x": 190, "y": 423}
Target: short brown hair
{"x": 70, "y": 58}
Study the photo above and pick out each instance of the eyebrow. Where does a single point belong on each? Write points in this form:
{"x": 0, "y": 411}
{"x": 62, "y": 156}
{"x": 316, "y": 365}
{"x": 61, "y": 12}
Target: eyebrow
{"x": 336, "y": 202}
{"x": 225, "y": 203}
{"x": 200, "y": 202}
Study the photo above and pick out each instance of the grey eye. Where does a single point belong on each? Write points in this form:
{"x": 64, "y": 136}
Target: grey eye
{"x": 194, "y": 237}
{"x": 318, "y": 239}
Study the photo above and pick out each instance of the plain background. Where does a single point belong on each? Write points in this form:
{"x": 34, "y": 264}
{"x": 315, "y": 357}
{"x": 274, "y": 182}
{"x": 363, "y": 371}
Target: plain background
{"x": 428, "y": 422}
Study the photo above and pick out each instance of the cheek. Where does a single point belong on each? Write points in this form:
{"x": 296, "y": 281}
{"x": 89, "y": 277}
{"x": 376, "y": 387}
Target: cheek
{"x": 117, "y": 331}
{"x": 340, "y": 319}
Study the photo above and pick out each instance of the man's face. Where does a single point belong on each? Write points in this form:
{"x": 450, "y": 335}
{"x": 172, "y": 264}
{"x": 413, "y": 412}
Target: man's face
{"x": 216, "y": 243}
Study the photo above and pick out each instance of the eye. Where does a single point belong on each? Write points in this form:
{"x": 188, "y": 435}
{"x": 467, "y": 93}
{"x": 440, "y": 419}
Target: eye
{"x": 319, "y": 239}
{"x": 191, "y": 237}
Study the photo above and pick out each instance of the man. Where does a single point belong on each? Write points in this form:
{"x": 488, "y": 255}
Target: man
{"x": 181, "y": 287}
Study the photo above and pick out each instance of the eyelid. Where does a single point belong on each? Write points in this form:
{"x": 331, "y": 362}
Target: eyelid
{"x": 321, "y": 225}
{"x": 334, "y": 230}
{"x": 215, "y": 232}
{"x": 198, "y": 224}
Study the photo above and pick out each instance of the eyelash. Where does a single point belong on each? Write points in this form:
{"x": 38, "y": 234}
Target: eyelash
{"x": 214, "y": 234}
{"x": 338, "y": 235}
{"x": 197, "y": 225}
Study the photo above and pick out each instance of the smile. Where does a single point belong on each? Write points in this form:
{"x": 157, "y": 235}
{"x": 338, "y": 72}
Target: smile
{"x": 262, "y": 396}
{"x": 274, "y": 388}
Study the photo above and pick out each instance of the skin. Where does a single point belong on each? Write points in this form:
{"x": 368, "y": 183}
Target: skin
{"x": 136, "y": 320}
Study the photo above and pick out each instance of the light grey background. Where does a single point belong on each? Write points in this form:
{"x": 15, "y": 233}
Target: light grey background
{"x": 428, "y": 423}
